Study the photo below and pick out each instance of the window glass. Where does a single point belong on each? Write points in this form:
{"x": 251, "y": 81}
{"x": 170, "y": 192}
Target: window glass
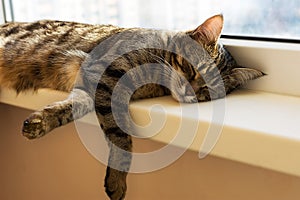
{"x": 262, "y": 18}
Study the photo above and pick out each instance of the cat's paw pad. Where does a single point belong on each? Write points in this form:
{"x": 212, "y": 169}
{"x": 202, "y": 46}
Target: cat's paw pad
{"x": 34, "y": 126}
{"x": 115, "y": 185}
{"x": 116, "y": 190}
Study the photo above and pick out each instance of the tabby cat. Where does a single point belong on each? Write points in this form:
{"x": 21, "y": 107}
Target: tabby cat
{"x": 89, "y": 61}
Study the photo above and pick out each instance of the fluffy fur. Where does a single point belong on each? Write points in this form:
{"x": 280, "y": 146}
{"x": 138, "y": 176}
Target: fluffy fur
{"x": 51, "y": 54}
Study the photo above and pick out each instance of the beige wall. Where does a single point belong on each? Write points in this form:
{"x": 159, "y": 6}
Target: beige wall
{"x": 59, "y": 167}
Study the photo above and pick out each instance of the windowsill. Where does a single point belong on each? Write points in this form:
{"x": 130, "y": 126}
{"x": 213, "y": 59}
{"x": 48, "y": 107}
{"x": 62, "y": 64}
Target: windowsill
{"x": 260, "y": 129}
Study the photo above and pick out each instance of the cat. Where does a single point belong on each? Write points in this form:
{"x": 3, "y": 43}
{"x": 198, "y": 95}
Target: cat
{"x": 89, "y": 61}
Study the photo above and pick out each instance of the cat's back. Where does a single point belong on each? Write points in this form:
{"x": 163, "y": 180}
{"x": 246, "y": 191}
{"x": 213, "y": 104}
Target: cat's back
{"x": 49, "y": 53}
{"x": 46, "y": 49}
{"x": 20, "y": 37}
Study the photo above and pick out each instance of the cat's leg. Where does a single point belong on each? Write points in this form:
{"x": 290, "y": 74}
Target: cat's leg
{"x": 120, "y": 145}
{"x": 118, "y": 164}
{"x": 111, "y": 117}
{"x": 39, "y": 123}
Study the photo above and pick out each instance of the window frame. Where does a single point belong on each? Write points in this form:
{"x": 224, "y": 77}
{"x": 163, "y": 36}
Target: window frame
{"x": 262, "y": 39}
{"x": 7, "y": 7}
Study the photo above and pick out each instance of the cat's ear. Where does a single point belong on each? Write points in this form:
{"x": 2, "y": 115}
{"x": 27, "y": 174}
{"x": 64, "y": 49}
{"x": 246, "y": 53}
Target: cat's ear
{"x": 209, "y": 32}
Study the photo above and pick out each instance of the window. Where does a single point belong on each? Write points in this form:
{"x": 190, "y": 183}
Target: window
{"x": 268, "y": 18}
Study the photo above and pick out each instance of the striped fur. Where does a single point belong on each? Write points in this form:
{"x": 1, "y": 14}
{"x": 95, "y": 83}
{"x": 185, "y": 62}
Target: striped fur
{"x": 53, "y": 54}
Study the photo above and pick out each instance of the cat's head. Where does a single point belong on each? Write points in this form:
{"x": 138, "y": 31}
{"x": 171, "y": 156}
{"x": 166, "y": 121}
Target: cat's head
{"x": 230, "y": 73}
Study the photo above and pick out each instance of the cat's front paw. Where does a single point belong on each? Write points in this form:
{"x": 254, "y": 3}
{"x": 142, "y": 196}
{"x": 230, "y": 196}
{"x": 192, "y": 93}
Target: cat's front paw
{"x": 34, "y": 126}
{"x": 115, "y": 184}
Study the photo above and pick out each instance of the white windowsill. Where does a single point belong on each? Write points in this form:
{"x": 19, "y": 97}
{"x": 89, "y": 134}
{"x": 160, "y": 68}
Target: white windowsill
{"x": 260, "y": 129}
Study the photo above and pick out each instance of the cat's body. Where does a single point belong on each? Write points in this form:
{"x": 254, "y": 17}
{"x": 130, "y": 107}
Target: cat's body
{"x": 49, "y": 54}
